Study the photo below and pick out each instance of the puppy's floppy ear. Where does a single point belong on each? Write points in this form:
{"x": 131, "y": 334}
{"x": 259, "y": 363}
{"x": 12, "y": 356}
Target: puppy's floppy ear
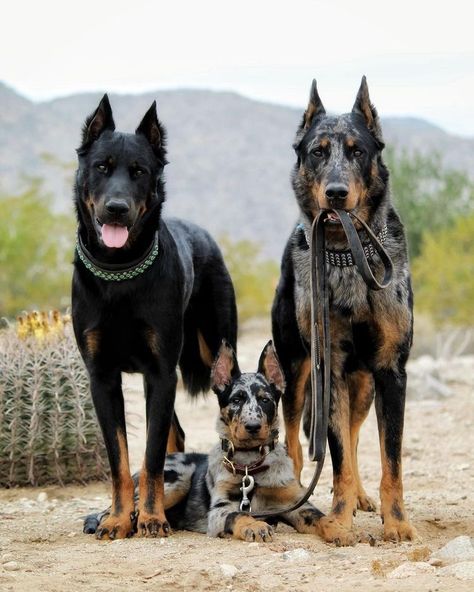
{"x": 269, "y": 366}
{"x": 154, "y": 132}
{"x": 99, "y": 121}
{"x": 364, "y": 107}
{"x": 225, "y": 368}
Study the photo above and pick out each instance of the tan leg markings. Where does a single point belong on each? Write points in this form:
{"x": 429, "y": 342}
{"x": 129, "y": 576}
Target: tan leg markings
{"x": 396, "y": 525}
{"x": 249, "y": 529}
{"x": 292, "y": 423}
{"x": 204, "y": 351}
{"x": 151, "y": 513}
{"x": 345, "y": 487}
{"x": 118, "y": 524}
{"x": 361, "y": 393}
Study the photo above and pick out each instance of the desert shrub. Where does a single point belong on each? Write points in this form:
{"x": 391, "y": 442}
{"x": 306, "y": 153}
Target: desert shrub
{"x": 48, "y": 428}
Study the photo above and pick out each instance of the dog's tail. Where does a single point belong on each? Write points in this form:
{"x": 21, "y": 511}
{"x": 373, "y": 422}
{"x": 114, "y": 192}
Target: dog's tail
{"x": 195, "y": 372}
{"x": 211, "y": 316}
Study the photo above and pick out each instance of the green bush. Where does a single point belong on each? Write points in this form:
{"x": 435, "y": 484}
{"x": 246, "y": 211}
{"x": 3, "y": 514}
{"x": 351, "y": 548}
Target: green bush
{"x": 36, "y": 247}
{"x": 254, "y": 278}
{"x": 444, "y": 273}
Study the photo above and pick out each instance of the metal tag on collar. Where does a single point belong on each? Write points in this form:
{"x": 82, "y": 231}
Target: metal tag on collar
{"x": 248, "y": 483}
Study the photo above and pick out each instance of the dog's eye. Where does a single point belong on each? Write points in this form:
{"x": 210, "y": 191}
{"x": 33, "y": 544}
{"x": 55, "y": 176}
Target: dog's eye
{"x": 138, "y": 172}
{"x": 317, "y": 153}
{"x": 265, "y": 400}
{"x": 357, "y": 153}
{"x": 236, "y": 399}
{"x": 102, "y": 168}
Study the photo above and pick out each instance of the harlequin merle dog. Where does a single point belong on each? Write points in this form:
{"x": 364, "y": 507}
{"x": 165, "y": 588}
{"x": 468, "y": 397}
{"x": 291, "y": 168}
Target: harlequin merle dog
{"x": 339, "y": 165}
{"x": 203, "y": 492}
{"x": 148, "y": 295}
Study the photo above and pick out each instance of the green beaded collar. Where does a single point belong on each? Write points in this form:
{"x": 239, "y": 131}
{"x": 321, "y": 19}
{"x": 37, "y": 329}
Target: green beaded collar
{"x": 114, "y": 272}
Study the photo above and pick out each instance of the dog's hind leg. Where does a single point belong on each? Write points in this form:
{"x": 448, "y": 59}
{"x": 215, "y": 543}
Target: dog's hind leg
{"x": 309, "y": 520}
{"x": 176, "y": 437}
{"x": 361, "y": 393}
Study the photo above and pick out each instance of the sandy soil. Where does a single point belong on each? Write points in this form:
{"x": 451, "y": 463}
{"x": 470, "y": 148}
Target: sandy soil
{"x": 42, "y": 547}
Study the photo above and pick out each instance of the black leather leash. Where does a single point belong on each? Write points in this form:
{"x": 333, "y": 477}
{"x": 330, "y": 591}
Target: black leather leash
{"x": 320, "y": 332}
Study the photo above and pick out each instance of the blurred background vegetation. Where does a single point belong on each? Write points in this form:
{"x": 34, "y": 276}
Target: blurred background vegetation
{"x": 435, "y": 204}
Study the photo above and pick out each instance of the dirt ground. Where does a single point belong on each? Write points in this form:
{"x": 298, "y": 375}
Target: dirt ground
{"x": 42, "y": 547}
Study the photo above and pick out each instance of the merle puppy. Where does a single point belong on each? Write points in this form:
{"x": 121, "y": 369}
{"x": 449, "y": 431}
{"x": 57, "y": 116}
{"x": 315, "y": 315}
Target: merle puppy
{"x": 148, "y": 295}
{"x": 339, "y": 165}
{"x": 203, "y": 492}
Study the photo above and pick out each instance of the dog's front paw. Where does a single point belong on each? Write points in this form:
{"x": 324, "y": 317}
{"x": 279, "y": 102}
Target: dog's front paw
{"x": 258, "y": 531}
{"x": 150, "y": 525}
{"x": 333, "y": 531}
{"x": 396, "y": 531}
{"x": 116, "y": 526}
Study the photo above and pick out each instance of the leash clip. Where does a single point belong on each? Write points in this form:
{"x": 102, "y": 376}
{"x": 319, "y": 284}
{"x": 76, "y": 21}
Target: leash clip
{"x": 248, "y": 483}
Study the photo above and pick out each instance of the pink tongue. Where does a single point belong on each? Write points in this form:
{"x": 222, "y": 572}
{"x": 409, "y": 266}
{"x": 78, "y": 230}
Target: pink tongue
{"x": 114, "y": 236}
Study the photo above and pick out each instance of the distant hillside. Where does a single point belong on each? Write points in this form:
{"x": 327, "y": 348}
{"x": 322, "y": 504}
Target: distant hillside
{"x": 230, "y": 157}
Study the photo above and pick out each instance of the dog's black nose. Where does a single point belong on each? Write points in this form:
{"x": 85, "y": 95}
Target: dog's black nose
{"x": 337, "y": 191}
{"x": 117, "y": 206}
{"x": 253, "y": 428}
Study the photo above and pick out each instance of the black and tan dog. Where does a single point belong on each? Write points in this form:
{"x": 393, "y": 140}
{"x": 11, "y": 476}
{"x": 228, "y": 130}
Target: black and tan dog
{"x": 203, "y": 492}
{"x": 148, "y": 294}
{"x": 339, "y": 165}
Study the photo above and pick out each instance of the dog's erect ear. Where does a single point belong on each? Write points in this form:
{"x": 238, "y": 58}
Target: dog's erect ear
{"x": 269, "y": 366}
{"x": 101, "y": 120}
{"x": 225, "y": 368}
{"x": 152, "y": 129}
{"x": 364, "y": 107}
{"x": 315, "y": 107}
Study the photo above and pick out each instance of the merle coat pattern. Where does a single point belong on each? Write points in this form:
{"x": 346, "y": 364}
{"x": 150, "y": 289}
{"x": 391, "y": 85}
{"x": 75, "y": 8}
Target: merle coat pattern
{"x": 176, "y": 312}
{"x": 339, "y": 165}
{"x": 202, "y": 495}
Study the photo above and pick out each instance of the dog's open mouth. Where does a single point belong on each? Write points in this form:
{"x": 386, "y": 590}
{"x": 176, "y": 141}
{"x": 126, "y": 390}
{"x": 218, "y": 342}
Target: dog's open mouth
{"x": 113, "y": 235}
{"x": 332, "y": 218}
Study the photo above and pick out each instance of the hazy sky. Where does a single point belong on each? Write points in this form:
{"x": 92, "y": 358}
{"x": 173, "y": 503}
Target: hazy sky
{"x": 418, "y": 55}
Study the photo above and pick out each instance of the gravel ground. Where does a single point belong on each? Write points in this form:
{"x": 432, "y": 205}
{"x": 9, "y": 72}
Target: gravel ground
{"x": 42, "y": 547}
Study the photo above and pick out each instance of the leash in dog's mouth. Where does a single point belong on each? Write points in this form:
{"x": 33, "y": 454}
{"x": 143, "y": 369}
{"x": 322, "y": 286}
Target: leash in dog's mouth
{"x": 320, "y": 335}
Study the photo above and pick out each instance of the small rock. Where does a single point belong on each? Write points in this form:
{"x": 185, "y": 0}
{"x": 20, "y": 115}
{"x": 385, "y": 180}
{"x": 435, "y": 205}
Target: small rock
{"x": 409, "y": 569}
{"x": 463, "y": 570}
{"x": 253, "y": 545}
{"x": 42, "y": 497}
{"x": 228, "y": 570}
{"x": 458, "y": 549}
{"x": 7, "y": 557}
{"x": 298, "y": 554}
{"x": 11, "y": 566}
{"x": 71, "y": 534}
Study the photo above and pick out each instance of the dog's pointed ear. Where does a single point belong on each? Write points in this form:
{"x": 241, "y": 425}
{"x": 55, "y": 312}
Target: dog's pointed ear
{"x": 269, "y": 366}
{"x": 151, "y": 128}
{"x": 364, "y": 107}
{"x": 225, "y": 368}
{"x": 99, "y": 121}
{"x": 315, "y": 107}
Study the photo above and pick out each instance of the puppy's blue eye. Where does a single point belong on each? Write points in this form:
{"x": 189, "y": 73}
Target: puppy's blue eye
{"x": 265, "y": 400}
{"x": 317, "y": 153}
{"x": 236, "y": 400}
{"x": 139, "y": 172}
{"x": 357, "y": 153}
{"x": 102, "y": 168}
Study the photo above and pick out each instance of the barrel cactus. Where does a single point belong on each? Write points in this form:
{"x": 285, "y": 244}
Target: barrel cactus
{"x": 48, "y": 429}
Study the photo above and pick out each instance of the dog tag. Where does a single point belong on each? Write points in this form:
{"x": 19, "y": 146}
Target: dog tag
{"x": 248, "y": 483}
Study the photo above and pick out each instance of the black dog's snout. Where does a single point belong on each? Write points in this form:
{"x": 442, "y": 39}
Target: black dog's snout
{"x": 253, "y": 428}
{"x": 337, "y": 191}
{"x": 117, "y": 206}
